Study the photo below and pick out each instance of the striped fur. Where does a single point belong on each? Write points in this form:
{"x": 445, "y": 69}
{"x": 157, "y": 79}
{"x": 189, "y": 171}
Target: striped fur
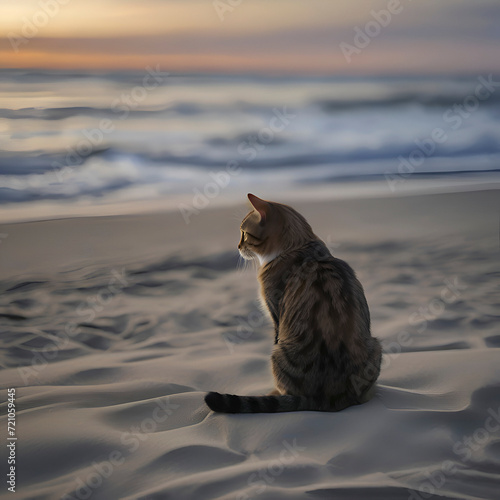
{"x": 324, "y": 357}
{"x": 230, "y": 403}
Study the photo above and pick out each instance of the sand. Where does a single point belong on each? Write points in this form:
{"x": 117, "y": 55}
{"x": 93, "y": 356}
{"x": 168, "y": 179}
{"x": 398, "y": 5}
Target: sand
{"x": 113, "y": 328}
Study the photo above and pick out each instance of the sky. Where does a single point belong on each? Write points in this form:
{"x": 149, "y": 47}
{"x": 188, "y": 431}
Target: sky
{"x": 248, "y": 36}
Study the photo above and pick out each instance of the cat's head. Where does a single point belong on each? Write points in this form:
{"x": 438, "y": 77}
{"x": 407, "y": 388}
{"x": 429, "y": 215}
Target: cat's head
{"x": 271, "y": 229}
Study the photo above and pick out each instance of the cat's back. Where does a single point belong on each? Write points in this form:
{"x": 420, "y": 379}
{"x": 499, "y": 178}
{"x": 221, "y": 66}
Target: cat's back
{"x": 311, "y": 263}
{"x": 311, "y": 283}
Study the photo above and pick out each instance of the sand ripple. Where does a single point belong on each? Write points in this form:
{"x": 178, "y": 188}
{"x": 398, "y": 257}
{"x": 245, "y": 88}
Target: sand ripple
{"x": 112, "y": 364}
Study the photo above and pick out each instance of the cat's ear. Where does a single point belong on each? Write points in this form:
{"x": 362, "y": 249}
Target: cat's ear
{"x": 260, "y": 205}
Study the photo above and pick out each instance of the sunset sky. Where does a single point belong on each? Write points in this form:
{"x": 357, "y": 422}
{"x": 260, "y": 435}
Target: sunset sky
{"x": 278, "y": 36}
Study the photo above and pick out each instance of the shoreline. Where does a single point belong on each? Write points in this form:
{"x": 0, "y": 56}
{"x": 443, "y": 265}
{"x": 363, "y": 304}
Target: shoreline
{"x": 49, "y": 246}
{"x": 13, "y": 213}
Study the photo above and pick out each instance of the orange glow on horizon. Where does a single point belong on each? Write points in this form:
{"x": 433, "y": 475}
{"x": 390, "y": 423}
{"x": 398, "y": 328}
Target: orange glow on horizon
{"x": 285, "y": 36}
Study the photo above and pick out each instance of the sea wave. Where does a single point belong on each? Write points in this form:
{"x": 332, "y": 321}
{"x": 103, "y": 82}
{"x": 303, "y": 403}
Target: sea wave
{"x": 87, "y": 136}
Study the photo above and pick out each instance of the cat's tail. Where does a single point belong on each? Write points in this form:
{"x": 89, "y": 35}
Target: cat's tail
{"x": 230, "y": 403}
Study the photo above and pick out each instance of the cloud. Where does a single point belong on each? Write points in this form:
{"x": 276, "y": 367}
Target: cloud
{"x": 297, "y": 36}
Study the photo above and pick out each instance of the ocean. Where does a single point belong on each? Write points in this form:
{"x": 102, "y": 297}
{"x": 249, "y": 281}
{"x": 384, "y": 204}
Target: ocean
{"x": 72, "y": 140}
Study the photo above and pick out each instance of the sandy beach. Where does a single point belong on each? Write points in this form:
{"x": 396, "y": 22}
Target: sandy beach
{"x": 114, "y": 328}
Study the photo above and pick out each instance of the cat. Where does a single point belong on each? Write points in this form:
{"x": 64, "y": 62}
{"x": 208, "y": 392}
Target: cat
{"x": 324, "y": 357}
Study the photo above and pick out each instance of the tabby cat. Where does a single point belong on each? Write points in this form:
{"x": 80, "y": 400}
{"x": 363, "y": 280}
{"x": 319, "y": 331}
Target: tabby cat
{"x": 324, "y": 357}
